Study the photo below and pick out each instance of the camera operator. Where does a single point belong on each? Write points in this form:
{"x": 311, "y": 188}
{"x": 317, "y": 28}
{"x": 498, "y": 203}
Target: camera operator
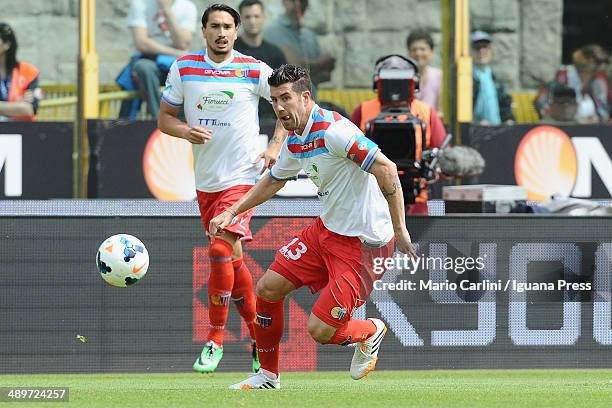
{"x": 371, "y": 109}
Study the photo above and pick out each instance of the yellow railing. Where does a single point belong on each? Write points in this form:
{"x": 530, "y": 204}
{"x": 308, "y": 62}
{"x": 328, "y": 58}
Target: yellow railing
{"x": 62, "y": 109}
{"x": 60, "y": 102}
{"x": 110, "y": 104}
{"x": 348, "y": 99}
{"x": 522, "y": 107}
{"x": 54, "y": 91}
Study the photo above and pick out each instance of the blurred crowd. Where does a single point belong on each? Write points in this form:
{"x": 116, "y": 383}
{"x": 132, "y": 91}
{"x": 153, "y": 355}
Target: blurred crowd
{"x": 163, "y": 30}
{"x": 579, "y": 92}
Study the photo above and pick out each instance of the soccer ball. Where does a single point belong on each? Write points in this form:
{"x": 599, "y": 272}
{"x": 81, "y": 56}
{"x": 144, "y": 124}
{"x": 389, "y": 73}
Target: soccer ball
{"x": 122, "y": 260}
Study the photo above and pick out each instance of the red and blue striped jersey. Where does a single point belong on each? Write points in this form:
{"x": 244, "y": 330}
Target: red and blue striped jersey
{"x": 336, "y": 156}
{"x": 223, "y": 97}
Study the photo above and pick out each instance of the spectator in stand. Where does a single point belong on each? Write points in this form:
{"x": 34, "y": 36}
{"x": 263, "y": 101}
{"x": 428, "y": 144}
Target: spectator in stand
{"x": 19, "y": 90}
{"x": 420, "y": 48}
{"x": 492, "y": 105}
{"x": 251, "y": 42}
{"x": 587, "y": 76}
{"x": 300, "y": 44}
{"x": 563, "y": 106}
{"x": 162, "y": 30}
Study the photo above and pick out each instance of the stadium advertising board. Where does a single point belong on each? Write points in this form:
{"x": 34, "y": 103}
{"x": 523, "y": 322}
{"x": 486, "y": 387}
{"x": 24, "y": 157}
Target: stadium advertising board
{"x": 545, "y": 159}
{"x": 136, "y": 160}
{"x": 508, "y": 292}
{"x": 35, "y": 160}
{"x": 116, "y": 152}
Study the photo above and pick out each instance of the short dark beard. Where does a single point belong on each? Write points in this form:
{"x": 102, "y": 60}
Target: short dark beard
{"x": 216, "y": 53}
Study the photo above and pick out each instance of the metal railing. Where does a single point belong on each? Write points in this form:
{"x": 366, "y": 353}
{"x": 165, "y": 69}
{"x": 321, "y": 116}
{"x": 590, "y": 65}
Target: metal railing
{"x": 60, "y": 103}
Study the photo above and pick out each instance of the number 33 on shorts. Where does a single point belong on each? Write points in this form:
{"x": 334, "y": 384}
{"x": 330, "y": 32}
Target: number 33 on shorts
{"x": 294, "y": 249}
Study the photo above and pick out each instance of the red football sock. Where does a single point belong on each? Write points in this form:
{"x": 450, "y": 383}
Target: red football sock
{"x": 220, "y": 286}
{"x": 243, "y": 295}
{"x": 353, "y": 331}
{"x": 269, "y": 331}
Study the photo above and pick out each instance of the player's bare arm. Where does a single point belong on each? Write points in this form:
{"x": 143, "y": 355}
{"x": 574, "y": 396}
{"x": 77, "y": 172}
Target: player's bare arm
{"x": 181, "y": 38}
{"x": 264, "y": 190}
{"x": 168, "y": 123}
{"x": 386, "y": 175}
{"x": 270, "y": 155}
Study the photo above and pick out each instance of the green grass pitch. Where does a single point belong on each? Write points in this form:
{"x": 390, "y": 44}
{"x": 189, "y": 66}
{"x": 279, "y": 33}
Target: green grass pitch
{"x": 459, "y": 388}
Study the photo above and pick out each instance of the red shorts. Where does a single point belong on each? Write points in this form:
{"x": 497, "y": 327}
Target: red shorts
{"x": 342, "y": 266}
{"x": 213, "y": 204}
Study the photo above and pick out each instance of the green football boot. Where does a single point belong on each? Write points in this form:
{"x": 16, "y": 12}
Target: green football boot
{"x": 256, "y": 365}
{"x": 209, "y": 358}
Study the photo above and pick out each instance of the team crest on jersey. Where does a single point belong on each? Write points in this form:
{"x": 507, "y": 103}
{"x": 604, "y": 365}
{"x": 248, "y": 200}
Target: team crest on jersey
{"x": 241, "y": 73}
{"x": 360, "y": 149}
{"x": 215, "y": 101}
{"x": 338, "y": 312}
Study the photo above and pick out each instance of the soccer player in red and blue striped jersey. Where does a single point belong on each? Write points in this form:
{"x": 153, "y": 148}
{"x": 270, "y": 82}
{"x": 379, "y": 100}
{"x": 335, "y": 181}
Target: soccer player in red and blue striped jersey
{"x": 363, "y": 216}
{"x": 219, "y": 90}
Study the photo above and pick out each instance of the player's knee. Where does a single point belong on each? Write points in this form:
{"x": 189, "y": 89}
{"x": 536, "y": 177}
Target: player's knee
{"x": 220, "y": 250}
{"x": 264, "y": 290}
{"x": 267, "y": 290}
{"x": 318, "y": 331}
{"x": 273, "y": 287}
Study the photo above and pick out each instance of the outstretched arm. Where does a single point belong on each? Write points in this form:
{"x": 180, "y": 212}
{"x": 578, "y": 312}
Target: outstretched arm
{"x": 270, "y": 155}
{"x": 260, "y": 193}
{"x": 386, "y": 175}
{"x": 345, "y": 140}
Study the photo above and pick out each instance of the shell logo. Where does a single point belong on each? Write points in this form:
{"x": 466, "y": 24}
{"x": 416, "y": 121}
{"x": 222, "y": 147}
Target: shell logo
{"x": 167, "y": 165}
{"x": 545, "y": 163}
